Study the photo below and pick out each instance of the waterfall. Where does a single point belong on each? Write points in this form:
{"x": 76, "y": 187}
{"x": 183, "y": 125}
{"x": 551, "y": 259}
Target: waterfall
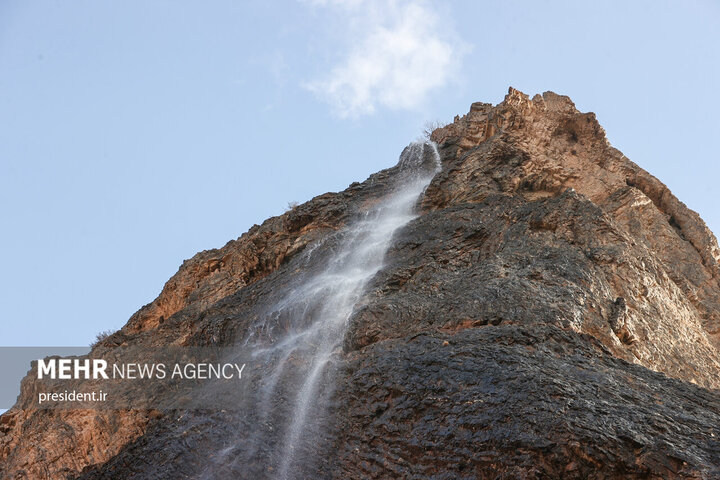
{"x": 299, "y": 339}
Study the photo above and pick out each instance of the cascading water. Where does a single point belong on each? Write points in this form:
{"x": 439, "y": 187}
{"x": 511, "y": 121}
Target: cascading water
{"x": 299, "y": 339}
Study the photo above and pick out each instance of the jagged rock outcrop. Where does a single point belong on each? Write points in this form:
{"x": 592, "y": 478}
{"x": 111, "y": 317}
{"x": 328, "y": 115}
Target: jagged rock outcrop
{"x": 553, "y": 312}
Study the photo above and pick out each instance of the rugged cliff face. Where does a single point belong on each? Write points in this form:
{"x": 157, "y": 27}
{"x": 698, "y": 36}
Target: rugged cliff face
{"x": 553, "y": 311}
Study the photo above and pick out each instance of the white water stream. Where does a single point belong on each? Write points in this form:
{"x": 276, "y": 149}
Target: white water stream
{"x": 301, "y": 336}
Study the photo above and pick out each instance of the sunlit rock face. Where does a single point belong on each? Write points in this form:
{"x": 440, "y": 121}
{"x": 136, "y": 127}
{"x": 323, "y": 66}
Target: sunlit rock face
{"x": 549, "y": 310}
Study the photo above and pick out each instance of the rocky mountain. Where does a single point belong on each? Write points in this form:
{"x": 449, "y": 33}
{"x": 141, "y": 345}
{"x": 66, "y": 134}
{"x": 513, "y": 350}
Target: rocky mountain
{"x": 550, "y": 310}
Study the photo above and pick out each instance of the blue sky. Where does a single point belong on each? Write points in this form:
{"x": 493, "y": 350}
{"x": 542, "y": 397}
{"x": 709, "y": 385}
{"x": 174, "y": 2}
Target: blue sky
{"x": 135, "y": 133}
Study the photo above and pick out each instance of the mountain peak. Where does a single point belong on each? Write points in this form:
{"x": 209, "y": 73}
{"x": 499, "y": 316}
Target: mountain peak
{"x": 560, "y": 148}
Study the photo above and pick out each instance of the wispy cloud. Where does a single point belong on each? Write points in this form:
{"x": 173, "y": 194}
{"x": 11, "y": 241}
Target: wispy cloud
{"x": 397, "y": 55}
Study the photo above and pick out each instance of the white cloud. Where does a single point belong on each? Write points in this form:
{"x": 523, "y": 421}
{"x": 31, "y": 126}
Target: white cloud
{"x": 397, "y": 56}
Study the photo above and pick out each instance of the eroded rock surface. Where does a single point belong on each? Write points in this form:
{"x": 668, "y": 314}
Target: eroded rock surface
{"x": 553, "y": 312}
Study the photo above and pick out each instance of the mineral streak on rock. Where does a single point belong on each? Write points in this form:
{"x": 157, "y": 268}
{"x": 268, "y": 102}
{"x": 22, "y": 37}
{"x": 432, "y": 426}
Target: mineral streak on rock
{"x": 553, "y": 312}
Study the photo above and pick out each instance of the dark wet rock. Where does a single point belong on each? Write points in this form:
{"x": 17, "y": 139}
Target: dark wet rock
{"x": 517, "y": 401}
